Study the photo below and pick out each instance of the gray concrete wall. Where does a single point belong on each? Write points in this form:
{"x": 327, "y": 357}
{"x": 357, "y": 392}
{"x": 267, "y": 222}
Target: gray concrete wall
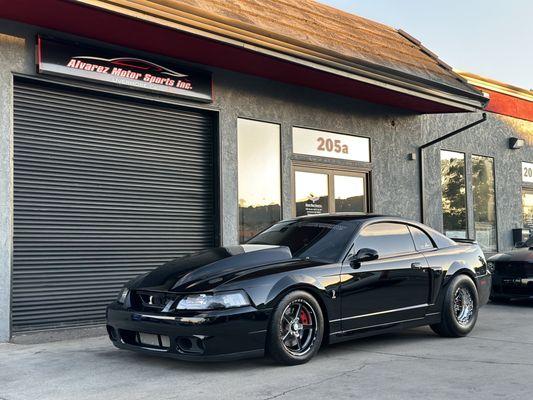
{"x": 487, "y": 139}
{"x": 393, "y": 133}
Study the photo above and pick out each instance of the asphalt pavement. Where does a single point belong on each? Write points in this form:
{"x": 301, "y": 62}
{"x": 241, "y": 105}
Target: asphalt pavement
{"x": 494, "y": 362}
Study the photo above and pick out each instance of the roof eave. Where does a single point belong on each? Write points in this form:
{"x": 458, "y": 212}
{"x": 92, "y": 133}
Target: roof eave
{"x": 496, "y": 86}
{"x": 312, "y": 58}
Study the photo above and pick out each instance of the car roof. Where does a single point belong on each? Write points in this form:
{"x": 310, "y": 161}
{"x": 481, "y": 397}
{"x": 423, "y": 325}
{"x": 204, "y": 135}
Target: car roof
{"x": 438, "y": 238}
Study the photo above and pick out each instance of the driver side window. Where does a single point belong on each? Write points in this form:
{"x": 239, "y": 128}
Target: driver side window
{"x": 388, "y": 239}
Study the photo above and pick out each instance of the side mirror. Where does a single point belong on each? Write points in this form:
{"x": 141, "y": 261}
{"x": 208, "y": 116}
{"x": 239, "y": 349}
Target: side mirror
{"x": 362, "y": 256}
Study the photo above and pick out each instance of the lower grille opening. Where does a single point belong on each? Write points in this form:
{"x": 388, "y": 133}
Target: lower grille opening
{"x": 515, "y": 269}
{"x": 517, "y": 289}
{"x": 150, "y": 340}
{"x": 190, "y": 345}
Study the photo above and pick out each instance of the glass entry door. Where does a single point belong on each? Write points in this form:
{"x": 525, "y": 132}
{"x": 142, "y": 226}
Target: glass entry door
{"x": 318, "y": 191}
{"x": 527, "y": 208}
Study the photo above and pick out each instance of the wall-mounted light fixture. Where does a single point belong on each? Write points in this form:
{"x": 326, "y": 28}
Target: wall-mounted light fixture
{"x": 516, "y": 143}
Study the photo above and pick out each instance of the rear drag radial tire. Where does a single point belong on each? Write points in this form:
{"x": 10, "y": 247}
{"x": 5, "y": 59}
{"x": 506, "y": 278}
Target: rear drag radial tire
{"x": 449, "y": 326}
{"x": 274, "y": 345}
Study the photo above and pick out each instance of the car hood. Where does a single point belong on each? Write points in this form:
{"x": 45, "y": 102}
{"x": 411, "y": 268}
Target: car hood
{"x": 208, "y": 269}
{"x": 525, "y": 254}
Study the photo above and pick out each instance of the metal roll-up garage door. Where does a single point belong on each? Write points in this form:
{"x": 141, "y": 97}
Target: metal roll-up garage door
{"x": 106, "y": 188}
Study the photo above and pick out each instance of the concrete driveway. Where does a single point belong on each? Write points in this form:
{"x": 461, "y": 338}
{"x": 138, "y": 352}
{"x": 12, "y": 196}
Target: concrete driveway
{"x": 495, "y": 362}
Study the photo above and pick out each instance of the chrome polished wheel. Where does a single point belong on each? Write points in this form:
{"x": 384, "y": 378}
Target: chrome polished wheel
{"x": 463, "y": 306}
{"x": 298, "y": 327}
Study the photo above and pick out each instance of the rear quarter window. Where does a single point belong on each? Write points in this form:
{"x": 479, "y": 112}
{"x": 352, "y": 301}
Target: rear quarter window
{"x": 421, "y": 239}
{"x": 440, "y": 240}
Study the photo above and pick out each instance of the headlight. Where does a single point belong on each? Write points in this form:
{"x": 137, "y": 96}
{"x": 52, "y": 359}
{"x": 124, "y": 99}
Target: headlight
{"x": 213, "y": 301}
{"x": 490, "y": 266}
{"x": 122, "y": 295}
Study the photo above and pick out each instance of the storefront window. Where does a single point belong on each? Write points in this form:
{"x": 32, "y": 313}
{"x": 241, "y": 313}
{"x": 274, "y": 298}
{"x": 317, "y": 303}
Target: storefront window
{"x": 484, "y": 202}
{"x": 320, "y": 191}
{"x": 453, "y": 186}
{"x": 527, "y": 208}
{"x": 349, "y": 193}
{"x": 259, "y": 176}
{"x": 312, "y": 193}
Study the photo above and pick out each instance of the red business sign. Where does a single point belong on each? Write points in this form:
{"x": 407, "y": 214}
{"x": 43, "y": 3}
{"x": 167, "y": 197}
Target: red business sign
{"x": 90, "y": 63}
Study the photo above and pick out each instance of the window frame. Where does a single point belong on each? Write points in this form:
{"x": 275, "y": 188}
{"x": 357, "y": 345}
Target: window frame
{"x": 495, "y": 198}
{"x": 433, "y": 244}
{"x": 280, "y": 153}
{"x": 524, "y": 189}
{"x": 467, "y": 191}
{"x": 330, "y": 171}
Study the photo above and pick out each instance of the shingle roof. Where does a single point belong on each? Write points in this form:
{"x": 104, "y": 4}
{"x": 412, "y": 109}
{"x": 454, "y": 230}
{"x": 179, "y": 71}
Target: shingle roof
{"x": 310, "y": 24}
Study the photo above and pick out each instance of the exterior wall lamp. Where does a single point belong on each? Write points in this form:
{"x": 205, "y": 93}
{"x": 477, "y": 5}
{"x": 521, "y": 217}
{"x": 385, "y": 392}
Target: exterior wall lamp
{"x": 516, "y": 143}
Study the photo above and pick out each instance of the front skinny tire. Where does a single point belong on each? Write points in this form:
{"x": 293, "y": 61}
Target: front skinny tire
{"x": 296, "y": 329}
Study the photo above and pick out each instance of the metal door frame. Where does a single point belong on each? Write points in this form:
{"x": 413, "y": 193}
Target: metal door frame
{"x": 331, "y": 170}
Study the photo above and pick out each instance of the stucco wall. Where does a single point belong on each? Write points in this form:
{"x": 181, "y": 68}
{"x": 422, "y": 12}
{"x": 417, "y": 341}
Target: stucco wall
{"x": 491, "y": 138}
{"x": 393, "y": 133}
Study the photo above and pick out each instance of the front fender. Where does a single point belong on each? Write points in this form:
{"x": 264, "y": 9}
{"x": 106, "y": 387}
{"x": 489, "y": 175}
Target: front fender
{"x": 293, "y": 282}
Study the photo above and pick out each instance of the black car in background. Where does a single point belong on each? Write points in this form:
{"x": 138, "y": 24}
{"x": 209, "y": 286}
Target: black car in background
{"x": 300, "y": 284}
{"x": 512, "y": 273}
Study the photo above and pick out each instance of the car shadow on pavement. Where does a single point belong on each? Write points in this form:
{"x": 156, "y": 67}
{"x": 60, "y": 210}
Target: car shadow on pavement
{"x": 157, "y": 362}
{"x": 528, "y": 303}
{"x": 153, "y": 361}
{"x": 419, "y": 335}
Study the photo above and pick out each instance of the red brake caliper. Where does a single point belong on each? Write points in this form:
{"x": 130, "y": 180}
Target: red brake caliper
{"x": 304, "y": 318}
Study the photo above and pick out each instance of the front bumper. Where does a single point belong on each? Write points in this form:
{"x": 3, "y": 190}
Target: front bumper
{"x": 504, "y": 286}
{"x": 214, "y": 335}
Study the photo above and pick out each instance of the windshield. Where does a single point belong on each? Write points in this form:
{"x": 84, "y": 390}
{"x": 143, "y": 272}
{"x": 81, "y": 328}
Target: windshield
{"x": 324, "y": 241}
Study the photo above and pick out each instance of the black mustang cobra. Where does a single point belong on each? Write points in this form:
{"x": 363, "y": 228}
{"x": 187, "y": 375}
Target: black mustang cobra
{"x": 300, "y": 284}
{"x": 512, "y": 273}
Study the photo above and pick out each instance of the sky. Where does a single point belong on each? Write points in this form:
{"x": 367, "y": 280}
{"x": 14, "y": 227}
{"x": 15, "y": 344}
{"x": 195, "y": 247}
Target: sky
{"x": 492, "y": 38}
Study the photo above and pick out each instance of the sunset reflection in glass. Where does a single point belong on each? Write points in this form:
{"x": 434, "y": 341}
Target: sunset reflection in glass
{"x": 259, "y": 176}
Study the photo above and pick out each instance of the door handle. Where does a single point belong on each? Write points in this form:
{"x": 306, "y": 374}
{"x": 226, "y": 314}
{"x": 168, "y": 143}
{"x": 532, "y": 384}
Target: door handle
{"x": 416, "y": 265}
